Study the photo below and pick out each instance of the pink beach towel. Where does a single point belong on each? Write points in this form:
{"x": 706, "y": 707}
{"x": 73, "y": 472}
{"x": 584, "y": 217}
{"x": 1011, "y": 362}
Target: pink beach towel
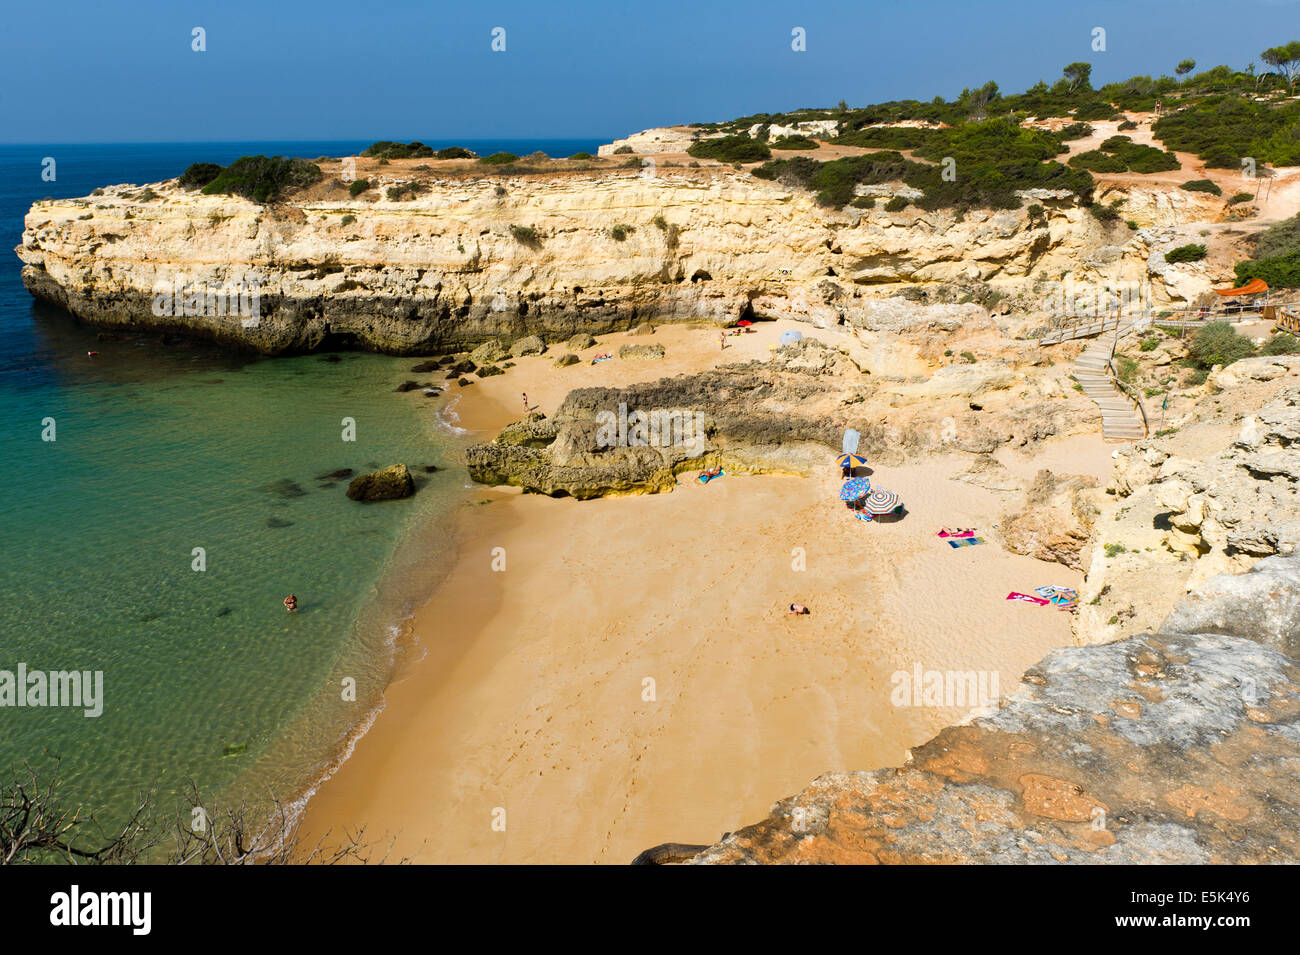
{"x": 1028, "y": 599}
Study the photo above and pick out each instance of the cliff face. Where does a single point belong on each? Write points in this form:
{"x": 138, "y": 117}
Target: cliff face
{"x": 452, "y": 266}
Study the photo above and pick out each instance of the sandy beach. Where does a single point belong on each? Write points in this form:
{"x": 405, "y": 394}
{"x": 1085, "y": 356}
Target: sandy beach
{"x": 595, "y": 678}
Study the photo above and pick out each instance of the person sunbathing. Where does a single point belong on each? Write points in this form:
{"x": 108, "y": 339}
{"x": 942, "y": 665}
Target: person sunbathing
{"x": 711, "y": 472}
{"x": 958, "y": 532}
{"x": 799, "y": 610}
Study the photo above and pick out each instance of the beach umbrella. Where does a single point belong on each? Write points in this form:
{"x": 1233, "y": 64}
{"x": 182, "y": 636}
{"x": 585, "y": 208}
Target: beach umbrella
{"x": 744, "y": 322}
{"x": 851, "y": 461}
{"x": 854, "y": 488}
{"x": 790, "y": 337}
{"x": 880, "y": 501}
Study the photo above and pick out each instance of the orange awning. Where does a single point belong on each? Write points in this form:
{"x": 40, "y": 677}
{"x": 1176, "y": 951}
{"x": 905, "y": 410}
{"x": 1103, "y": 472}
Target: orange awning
{"x": 1253, "y": 287}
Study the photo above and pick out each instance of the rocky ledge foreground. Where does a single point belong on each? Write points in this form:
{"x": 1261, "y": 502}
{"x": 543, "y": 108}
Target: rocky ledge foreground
{"x": 1163, "y": 748}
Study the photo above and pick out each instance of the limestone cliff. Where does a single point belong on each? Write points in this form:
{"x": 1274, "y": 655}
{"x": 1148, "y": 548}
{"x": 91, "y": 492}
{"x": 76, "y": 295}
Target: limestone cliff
{"x": 475, "y": 256}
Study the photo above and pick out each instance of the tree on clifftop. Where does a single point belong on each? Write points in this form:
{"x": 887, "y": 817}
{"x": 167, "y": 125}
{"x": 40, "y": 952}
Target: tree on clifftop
{"x": 1184, "y": 67}
{"x": 1079, "y": 75}
{"x": 1285, "y": 59}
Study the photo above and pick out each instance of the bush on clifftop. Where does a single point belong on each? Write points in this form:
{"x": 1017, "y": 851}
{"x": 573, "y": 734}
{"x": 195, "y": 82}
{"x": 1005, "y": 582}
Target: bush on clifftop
{"x": 386, "y": 149}
{"x": 263, "y": 178}
{"x": 731, "y": 149}
{"x": 199, "y": 175}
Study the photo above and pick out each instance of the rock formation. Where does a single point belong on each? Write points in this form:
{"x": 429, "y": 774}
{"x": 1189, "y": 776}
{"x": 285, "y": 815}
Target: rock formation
{"x": 482, "y": 256}
{"x": 388, "y": 484}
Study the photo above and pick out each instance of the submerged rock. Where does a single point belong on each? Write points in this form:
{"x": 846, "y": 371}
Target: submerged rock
{"x": 387, "y": 484}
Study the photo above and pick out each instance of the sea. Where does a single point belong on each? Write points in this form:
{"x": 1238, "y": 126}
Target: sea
{"x": 161, "y": 497}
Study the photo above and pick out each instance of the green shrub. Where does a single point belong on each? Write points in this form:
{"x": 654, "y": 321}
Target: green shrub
{"x": 387, "y": 149}
{"x": 730, "y": 149}
{"x": 1074, "y": 131}
{"x": 1128, "y": 124}
{"x": 896, "y": 204}
{"x": 1126, "y": 369}
{"x": 1094, "y": 160}
{"x": 199, "y": 175}
{"x": 1191, "y": 252}
{"x": 1283, "y": 343}
{"x": 1221, "y": 129}
{"x": 526, "y": 235}
{"x": 1240, "y": 197}
{"x": 1282, "y": 271}
{"x": 499, "y": 159}
{"x": 968, "y": 357}
{"x": 263, "y": 178}
{"x": 1202, "y": 185}
{"x": 1218, "y": 343}
{"x": 1114, "y": 550}
{"x": 1280, "y": 239}
{"x": 863, "y": 202}
{"x": 1103, "y": 213}
{"x": 1149, "y": 344}
{"x": 454, "y": 152}
{"x": 621, "y": 232}
{"x": 347, "y": 220}
{"x": 358, "y": 186}
{"x": 622, "y": 150}
{"x": 795, "y": 142}
{"x": 1097, "y": 109}
{"x": 582, "y": 155}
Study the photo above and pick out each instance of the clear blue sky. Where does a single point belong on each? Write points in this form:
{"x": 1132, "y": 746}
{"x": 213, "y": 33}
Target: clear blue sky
{"x": 285, "y": 69}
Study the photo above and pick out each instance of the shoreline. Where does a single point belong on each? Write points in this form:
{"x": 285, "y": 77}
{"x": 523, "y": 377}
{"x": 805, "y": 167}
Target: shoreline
{"x": 528, "y": 693}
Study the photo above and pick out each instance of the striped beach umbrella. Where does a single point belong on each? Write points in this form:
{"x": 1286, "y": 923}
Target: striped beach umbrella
{"x": 851, "y": 461}
{"x": 854, "y": 488}
{"x": 880, "y": 501}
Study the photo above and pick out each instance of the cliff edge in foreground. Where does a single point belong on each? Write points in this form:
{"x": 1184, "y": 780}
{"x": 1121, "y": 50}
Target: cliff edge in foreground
{"x": 1163, "y": 748}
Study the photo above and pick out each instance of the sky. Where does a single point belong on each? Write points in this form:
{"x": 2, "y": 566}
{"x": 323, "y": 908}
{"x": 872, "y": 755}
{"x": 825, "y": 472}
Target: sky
{"x": 84, "y": 72}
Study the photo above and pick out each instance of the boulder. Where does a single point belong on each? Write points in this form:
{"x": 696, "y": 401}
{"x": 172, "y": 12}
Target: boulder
{"x": 529, "y": 345}
{"x": 645, "y": 328}
{"x": 487, "y": 371}
{"x": 387, "y": 484}
{"x": 642, "y": 351}
{"x": 1262, "y": 604}
{"x": 488, "y": 352}
{"x": 580, "y": 341}
{"x": 565, "y": 360}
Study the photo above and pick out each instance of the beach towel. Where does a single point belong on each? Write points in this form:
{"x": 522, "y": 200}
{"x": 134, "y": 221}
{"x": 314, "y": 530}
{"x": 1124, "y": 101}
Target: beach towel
{"x": 605, "y": 358}
{"x": 1028, "y": 599}
{"x": 1051, "y": 590}
{"x": 862, "y": 515}
{"x": 965, "y": 533}
{"x": 965, "y": 541}
{"x": 706, "y": 478}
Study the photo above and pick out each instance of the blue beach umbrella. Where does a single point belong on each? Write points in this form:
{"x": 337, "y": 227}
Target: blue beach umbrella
{"x": 790, "y": 337}
{"x": 854, "y": 488}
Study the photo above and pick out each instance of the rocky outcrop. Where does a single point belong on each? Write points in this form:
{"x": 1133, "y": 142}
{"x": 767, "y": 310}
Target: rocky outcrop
{"x": 388, "y": 484}
{"x": 471, "y": 259}
{"x": 1176, "y": 747}
{"x": 1055, "y": 520}
{"x": 786, "y": 414}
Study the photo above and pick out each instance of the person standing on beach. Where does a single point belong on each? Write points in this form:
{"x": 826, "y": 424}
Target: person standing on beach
{"x": 722, "y": 340}
{"x": 525, "y": 397}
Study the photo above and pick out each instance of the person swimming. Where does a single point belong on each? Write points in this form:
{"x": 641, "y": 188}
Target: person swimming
{"x": 291, "y": 603}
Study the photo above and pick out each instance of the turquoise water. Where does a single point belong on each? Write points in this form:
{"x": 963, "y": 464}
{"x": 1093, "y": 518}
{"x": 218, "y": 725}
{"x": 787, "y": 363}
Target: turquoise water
{"x": 164, "y": 447}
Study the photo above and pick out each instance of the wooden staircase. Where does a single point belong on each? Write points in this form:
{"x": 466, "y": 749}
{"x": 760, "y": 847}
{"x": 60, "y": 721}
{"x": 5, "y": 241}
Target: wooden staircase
{"x": 1120, "y": 421}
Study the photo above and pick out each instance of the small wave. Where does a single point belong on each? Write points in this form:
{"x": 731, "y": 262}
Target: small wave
{"x": 447, "y": 417}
